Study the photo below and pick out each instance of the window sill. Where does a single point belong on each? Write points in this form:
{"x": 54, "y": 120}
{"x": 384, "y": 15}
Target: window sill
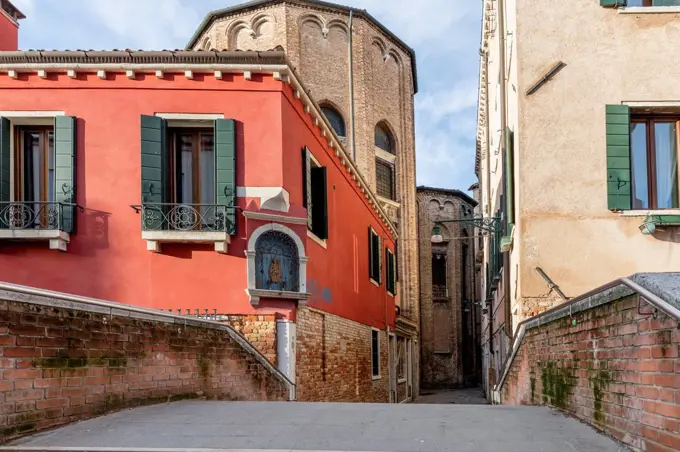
{"x": 256, "y": 294}
{"x": 388, "y": 201}
{"x": 644, "y": 213}
{"x": 154, "y": 239}
{"x": 376, "y": 377}
{"x": 58, "y": 239}
{"x": 388, "y": 157}
{"x": 375, "y": 283}
{"x": 390, "y": 294}
{"x": 649, "y": 10}
{"x": 401, "y": 380}
{"x": 321, "y": 242}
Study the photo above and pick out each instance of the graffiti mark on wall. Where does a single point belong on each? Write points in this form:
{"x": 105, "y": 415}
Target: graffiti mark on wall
{"x": 320, "y": 294}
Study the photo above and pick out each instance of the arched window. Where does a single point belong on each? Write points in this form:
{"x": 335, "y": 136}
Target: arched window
{"x": 384, "y": 139}
{"x": 336, "y": 120}
{"x": 206, "y": 44}
{"x": 277, "y": 263}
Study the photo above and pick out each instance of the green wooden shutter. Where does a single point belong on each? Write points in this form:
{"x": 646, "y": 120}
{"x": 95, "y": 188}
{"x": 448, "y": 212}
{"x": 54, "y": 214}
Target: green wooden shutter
{"x": 225, "y": 167}
{"x": 65, "y": 169}
{"x": 5, "y": 171}
{"x": 613, "y": 3}
{"x": 154, "y": 169}
{"x": 618, "y": 157}
{"x": 307, "y": 200}
{"x": 509, "y": 176}
{"x": 320, "y": 202}
{"x": 371, "y": 255}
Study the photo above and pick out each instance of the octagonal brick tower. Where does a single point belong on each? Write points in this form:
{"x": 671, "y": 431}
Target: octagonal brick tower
{"x": 316, "y": 37}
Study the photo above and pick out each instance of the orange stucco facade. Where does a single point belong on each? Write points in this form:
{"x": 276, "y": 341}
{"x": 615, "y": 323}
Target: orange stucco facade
{"x": 107, "y": 258}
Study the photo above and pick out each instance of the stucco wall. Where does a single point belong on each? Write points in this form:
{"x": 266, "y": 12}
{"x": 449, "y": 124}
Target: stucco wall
{"x": 107, "y": 257}
{"x": 9, "y": 33}
{"x": 610, "y": 58}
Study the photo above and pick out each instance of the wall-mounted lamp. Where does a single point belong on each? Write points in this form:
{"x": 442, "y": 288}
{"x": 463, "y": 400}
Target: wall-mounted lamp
{"x": 436, "y": 235}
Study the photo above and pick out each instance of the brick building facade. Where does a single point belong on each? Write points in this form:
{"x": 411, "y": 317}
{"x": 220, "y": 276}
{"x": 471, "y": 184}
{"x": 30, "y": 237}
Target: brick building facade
{"x": 450, "y": 320}
{"x": 364, "y": 78}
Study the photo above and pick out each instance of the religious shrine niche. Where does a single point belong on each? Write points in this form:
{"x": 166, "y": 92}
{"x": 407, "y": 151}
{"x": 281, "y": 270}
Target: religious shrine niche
{"x": 277, "y": 263}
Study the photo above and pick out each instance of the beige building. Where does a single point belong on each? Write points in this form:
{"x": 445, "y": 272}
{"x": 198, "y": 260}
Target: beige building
{"x": 449, "y": 317}
{"x": 577, "y": 151}
{"x": 364, "y": 78}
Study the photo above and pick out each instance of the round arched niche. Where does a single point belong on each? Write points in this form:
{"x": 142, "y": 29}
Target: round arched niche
{"x": 277, "y": 264}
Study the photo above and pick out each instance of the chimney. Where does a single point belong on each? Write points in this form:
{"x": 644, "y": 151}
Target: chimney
{"x": 9, "y": 25}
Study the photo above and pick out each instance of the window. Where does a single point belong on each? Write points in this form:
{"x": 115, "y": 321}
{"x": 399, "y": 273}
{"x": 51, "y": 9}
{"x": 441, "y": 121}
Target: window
{"x": 653, "y": 3}
{"x": 384, "y": 179}
{"x": 192, "y": 163}
{"x": 654, "y": 162}
{"x": 391, "y": 272}
{"x": 43, "y": 191}
{"x": 374, "y": 247}
{"x": 277, "y": 264}
{"x": 375, "y": 353}
{"x": 188, "y": 175}
{"x": 401, "y": 359}
{"x": 439, "y": 288}
{"x": 383, "y": 139}
{"x": 315, "y": 195}
{"x": 336, "y": 120}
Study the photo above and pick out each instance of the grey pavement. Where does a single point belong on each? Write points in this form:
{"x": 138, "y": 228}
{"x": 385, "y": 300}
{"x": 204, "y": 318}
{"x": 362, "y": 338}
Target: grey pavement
{"x": 468, "y": 396}
{"x": 193, "y": 425}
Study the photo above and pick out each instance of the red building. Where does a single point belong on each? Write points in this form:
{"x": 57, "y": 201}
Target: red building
{"x": 203, "y": 182}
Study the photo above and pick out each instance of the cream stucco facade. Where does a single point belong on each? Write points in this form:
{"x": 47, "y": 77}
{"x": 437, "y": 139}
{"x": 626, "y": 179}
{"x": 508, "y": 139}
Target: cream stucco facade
{"x": 548, "y": 70}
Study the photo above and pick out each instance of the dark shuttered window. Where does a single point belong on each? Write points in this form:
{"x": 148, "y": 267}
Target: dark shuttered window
{"x": 315, "y": 195}
{"x": 375, "y": 353}
{"x": 375, "y": 255}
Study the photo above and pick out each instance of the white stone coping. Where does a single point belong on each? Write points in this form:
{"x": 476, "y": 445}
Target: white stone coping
{"x": 388, "y": 201}
{"x": 58, "y": 239}
{"x": 644, "y": 213}
{"x": 42, "y": 297}
{"x": 264, "y": 216}
{"x": 256, "y": 294}
{"x": 649, "y": 9}
{"x": 155, "y": 238}
{"x": 661, "y": 290}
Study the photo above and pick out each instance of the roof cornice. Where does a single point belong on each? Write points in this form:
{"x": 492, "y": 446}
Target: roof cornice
{"x": 319, "y": 4}
{"x": 273, "y": 63}
{"x": 448, "y": 192}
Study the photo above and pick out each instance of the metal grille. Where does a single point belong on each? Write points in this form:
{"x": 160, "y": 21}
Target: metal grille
{"x": 384, "y": 179}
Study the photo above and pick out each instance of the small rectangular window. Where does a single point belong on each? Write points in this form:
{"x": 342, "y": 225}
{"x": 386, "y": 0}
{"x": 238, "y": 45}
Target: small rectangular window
{"x": 315, "y": 195}
{"x": 374, "y": 254}
{"x": 654, "y": 162}
{"x": 384, "y": 179}
{"x": 375, "y": 353}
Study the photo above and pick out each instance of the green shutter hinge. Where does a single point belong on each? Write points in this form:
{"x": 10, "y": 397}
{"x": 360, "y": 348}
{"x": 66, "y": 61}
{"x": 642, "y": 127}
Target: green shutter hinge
{"x": 649, "y": 226}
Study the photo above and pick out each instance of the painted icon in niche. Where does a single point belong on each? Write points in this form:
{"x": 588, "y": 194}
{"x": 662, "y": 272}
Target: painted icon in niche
{"x": 277, "y": 262}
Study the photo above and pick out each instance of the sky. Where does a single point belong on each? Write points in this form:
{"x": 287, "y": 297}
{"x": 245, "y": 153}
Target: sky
{"x": 444, "y": 33}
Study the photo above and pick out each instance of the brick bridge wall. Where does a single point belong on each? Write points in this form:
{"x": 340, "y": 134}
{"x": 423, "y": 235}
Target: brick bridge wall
{"x": 259, "y": 330}
{"x": 62, "y": 362}
{"x": 617, "y": 370}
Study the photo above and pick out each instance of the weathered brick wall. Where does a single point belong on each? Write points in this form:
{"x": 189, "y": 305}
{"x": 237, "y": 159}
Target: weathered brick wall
{"x": 616, "y": 369}
{"x": 333, "y": 362}
{"x": 59, "y": 365}
{"x": 260, "y": 330}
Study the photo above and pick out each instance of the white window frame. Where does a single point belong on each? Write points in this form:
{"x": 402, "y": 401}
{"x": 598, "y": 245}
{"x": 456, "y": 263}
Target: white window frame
{"x": 323, "y": 243}
{"x": 394, "y": 274}
{"x": 373, "y": 231}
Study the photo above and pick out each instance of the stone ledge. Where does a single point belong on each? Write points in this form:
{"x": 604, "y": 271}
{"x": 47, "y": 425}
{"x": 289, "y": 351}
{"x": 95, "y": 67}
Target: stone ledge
{"x": 59, "y": 240}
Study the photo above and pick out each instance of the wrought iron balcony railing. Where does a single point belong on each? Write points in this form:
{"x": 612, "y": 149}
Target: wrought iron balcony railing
{"x": 187, "y": 217}
{"x": 37, "y": 215}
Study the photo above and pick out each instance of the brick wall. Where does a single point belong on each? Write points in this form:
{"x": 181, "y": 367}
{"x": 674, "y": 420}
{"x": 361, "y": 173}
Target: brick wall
{"x": 259, "y": 330}
{"x": 616, "y": 369}
{"x": 441, "y": 318}
{"x": 334, "y": 360}
{"x": 60, "y": 364}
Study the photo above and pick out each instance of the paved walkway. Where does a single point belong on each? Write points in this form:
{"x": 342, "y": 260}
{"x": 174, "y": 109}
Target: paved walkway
{"x": 468, "y": 396}
{"x": 191, "y": 425}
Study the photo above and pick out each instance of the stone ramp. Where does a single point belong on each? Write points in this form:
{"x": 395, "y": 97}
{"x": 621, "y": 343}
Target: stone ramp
{"x": 280, "y": 426}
